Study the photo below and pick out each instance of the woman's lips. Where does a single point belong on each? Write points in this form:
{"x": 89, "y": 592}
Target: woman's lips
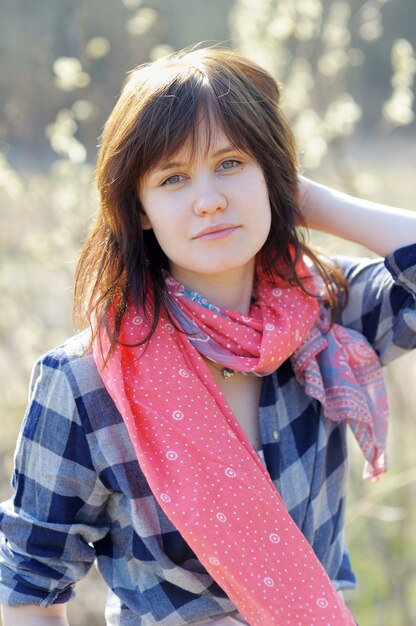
{"x": 216, "y": 232}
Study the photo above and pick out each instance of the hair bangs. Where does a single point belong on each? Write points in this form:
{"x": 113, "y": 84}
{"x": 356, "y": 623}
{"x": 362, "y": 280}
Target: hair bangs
{"x": 193, "y": 100}
{"x": 172, "y": 119}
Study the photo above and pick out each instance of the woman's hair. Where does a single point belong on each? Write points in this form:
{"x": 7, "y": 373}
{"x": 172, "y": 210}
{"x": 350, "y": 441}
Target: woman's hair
{"x": 159, "y": 109}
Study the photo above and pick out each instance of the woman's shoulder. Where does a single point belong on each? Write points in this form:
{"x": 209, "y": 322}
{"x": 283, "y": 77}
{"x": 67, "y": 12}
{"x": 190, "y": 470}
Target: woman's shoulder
{"x": 66, "y": 381}
{"x": 72, "y": 360}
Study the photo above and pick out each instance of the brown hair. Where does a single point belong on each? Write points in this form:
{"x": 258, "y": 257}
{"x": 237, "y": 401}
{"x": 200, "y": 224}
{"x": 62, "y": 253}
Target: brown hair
{"x": 159, "y": 110}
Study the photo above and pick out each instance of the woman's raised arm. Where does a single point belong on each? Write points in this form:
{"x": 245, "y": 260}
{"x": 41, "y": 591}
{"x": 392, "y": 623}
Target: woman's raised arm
{"x": 378, "y": 227}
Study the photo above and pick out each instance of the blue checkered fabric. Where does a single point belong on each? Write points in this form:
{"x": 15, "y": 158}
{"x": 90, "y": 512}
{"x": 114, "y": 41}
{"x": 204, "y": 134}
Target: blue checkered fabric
{"x": 80, "y": 495}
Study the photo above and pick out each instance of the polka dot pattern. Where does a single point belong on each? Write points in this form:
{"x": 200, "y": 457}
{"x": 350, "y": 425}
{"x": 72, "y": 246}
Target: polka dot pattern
{"x": 279, "y": 320}
{"x": 206, "y": 475}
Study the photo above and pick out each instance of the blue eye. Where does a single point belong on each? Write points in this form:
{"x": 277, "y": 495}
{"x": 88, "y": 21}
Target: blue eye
{"x": 229, "y": 164}
{"x": 172, "y": 180}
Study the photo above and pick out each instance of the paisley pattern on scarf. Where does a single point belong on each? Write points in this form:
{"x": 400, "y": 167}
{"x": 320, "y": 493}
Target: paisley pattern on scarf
{"x": 336, "y": 365}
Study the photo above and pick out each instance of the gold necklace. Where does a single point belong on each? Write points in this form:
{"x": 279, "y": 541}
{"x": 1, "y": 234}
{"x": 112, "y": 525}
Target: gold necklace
{"x": 226, "y": 372}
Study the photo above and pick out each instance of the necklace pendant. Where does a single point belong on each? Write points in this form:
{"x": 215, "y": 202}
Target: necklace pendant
{"x": 227, "y": 373}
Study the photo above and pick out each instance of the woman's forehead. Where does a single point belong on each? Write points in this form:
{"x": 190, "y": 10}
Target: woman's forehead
{"x": 205, "y": 139}
{"x": 208, "y": 139}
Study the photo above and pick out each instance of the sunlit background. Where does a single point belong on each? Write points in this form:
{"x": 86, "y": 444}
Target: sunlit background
{"x": 348, "y": 81}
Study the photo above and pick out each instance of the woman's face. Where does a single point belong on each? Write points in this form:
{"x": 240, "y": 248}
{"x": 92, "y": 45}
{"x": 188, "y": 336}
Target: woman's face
{"x": 209, "y": 210}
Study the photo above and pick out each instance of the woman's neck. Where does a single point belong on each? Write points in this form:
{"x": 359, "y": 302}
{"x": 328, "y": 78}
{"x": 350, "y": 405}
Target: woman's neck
{"x": 231, "y": 290}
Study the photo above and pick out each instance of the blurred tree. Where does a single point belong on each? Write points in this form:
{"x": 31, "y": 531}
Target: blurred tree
{"x": 320, "y": 51}
{"x": 104, "y": 40}
{"x": 77, "y": 53}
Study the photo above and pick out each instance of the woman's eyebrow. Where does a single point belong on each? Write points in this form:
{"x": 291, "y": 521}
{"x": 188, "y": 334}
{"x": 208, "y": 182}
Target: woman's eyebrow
{"x": 169, "y": 165}
{"x": 173, "y": 164}
{"x": 223, "y": 150}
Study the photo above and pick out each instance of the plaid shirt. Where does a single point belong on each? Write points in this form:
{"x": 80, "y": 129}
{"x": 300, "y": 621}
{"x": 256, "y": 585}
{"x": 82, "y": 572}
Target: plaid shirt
{"x": 80, "y": 494}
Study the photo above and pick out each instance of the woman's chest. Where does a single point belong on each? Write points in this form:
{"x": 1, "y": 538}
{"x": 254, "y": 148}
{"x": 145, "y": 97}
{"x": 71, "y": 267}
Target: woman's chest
{"x": 242, "y": 394}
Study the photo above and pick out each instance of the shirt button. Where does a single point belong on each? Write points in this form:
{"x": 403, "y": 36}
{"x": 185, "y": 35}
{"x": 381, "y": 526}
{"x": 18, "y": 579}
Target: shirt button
{"x": 276, "y": 435}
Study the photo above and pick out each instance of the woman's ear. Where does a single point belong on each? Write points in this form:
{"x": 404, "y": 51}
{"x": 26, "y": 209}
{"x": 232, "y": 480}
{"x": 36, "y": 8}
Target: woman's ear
{"x": 144, "y": 221}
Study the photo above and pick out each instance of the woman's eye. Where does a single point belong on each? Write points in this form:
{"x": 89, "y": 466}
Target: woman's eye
{"x": 230, "y": 164}
{"x": 175, "y": 179}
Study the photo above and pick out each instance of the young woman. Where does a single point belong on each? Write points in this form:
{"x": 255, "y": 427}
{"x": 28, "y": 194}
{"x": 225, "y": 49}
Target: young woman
{"x": 192, "y": 439}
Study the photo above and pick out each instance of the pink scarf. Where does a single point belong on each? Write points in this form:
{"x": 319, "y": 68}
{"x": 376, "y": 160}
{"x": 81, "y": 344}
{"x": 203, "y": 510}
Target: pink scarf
{"x": 201, "y": 467}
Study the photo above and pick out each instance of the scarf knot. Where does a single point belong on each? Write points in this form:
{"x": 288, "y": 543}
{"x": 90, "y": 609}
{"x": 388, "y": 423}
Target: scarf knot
{"x": 335, "y": 365}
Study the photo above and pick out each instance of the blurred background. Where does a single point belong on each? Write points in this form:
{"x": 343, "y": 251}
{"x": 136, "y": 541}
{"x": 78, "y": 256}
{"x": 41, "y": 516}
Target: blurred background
{"x": 348, "y": 81}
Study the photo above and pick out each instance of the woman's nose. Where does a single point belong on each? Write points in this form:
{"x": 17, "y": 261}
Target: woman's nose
{"x": 208, "y": 197}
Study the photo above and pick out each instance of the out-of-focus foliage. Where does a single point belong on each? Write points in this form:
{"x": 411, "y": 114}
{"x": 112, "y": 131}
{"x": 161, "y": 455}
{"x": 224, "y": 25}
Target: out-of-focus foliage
{"x": 318, "y": 49}
{"x": 56, "y": 54}
{"x": 399, "y": 108}
{"x": 347, "y": 72}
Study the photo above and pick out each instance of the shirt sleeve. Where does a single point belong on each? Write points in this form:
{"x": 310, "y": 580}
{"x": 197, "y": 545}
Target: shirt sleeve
{"x": 382, "y": 301}
{"x": 48, "y": 529}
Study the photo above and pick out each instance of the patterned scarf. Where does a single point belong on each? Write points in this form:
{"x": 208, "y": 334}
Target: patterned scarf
{"x": 199, "y": 464}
